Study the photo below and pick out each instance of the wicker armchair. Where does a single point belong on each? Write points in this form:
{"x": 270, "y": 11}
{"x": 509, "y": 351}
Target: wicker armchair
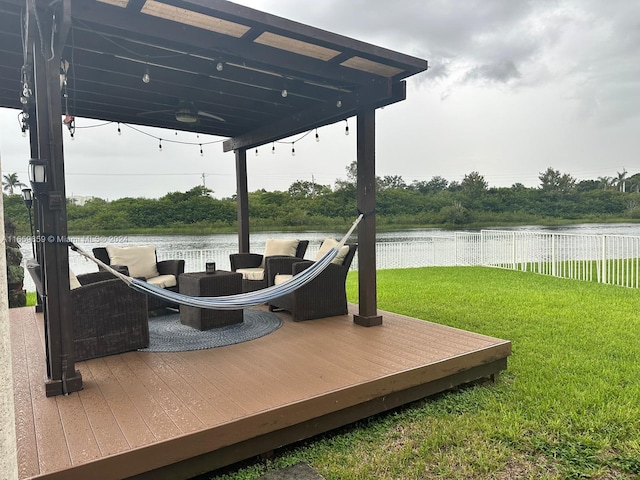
{"x": 324, "y": 296}
{"x": 108, "y": 316}
{"x": 165, "y": 267}
{"x": 243, "y": 261}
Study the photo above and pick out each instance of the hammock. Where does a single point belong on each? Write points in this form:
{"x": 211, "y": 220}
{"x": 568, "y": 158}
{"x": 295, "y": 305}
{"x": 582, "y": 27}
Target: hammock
{"x": 229, "y": 302}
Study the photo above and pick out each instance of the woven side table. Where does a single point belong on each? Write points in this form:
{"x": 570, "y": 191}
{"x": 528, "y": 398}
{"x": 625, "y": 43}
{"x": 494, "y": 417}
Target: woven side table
{"x": 201, "y": 284}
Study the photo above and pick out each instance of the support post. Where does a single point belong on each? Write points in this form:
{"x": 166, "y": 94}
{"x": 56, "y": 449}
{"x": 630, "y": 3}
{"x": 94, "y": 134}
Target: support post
{"x": 366, "y": 160}
{"x": 62, "y": 377}
{"x": 242, "y": 198}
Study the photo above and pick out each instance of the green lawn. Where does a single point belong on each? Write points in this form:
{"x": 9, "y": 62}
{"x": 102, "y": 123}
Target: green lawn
{"x": 567, "y": 407}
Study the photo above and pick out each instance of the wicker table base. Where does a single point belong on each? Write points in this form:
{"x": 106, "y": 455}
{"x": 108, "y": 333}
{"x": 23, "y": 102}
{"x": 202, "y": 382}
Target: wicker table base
{"x": 201, "y": 284}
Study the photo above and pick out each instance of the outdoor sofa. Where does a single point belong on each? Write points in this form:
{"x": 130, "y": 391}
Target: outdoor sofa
{"x": 253, "y": 266}
{"x": 325, "y": 295}
{"x": 108, "y": 316}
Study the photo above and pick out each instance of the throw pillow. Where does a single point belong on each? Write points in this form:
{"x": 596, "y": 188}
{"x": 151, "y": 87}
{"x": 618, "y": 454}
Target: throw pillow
{"x": 139, "y": 259}
{"x": 327, "y": 245}
{"x": 280, "y": 246}
{"x": 73, "y": 280}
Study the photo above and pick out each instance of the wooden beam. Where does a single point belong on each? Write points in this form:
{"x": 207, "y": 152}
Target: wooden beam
{"x": 62, "y": 378}
{"x": 325, "y": 114}
{"x": 366, "y": 157}
{"x": 242, "y": 198}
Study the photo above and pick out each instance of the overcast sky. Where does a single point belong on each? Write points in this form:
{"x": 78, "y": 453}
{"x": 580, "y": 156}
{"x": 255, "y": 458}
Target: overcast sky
{"x": 514, "y": 87}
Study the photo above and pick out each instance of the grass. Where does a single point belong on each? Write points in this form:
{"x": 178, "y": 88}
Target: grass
{"x": 31, "y": 299}
{"x": 567, "y": 407}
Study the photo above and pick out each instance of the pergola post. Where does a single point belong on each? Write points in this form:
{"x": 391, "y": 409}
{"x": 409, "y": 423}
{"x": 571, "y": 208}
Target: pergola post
{"x": 366, "y": 198}
{"x": 242, "y": 198}
{"x": 51, "y": 212}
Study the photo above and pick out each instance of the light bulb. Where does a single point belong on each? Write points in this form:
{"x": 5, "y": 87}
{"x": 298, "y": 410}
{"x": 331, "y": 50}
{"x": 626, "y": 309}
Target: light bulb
{"x": 284, "y": 93}
{"x": 201, "y": 152}
{"x": 219, "y": 66}
{"x": 119, "y": 131}
{"x": 256, "y": 152}
{"x": 146, "y": 78}
{"x": 160, "y": 145}
{"x": 293, "y": 151}
{"x": 339, "y": 103}
{"x": 346, "y": 129}
{"x": 273, "y": 149}
{"x": 317, "y": 136}
{"x": 24, "y": 132}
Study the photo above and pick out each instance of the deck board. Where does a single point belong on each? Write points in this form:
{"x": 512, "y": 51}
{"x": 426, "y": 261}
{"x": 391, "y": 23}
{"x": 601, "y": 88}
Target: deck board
{"x": 174, "y": 415}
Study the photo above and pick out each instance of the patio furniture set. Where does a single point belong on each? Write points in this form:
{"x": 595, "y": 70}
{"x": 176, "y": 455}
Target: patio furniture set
{"x": 110, "y": 318}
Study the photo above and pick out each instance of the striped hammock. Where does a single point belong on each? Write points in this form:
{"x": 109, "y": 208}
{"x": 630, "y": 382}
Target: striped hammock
{"x": 229, "y": 302}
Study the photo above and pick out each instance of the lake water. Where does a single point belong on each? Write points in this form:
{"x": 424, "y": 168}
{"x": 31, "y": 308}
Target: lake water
{"x": 228, "y": 242}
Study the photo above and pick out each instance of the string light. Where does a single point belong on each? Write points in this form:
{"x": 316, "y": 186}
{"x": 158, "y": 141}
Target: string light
{"x": 256, "y": 152}
{"x": 119, "y": 130}
{"x": 201, "y": 152}
{"x": 160, "y": 144}
{"x": 23, "y": 120}
{"x": 317, "y": 136}
{"x": 339, "y": 103}
{"x": 293, "y": 150}
{"x": 219, "y": 66}
{"x": 273, "y": 148}
{"x": 284, "y": 93}
{"x": 346, "y": 129}
{"x": 146, "y": 78}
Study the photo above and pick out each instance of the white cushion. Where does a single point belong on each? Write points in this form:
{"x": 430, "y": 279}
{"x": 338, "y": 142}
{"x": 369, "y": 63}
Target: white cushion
{"x": 280, "y": 246}
{"x": 256, "y": 273}
{"x": 139, "y": 259}
{"x": 281, "y": 278}
{"x": 73, "y": 280}
{"x": 163, "y": 281}
{"x": 327, "y": 245}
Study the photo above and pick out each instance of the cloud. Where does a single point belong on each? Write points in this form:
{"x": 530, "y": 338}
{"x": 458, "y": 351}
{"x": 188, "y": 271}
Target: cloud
{"x": 501, "y": 72}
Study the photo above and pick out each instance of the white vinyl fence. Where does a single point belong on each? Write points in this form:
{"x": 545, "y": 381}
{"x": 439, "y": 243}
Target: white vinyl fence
{"x": 612, "y": 259}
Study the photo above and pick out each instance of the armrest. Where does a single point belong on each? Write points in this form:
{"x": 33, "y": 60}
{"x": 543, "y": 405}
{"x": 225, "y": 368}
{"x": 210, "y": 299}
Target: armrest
{"x": 88, "y": 278}
{"x": 245, "y": 260}
{"x": 279, "y": 264}
{"x": 110, "y": 290}
{"x": 171, "y": 267}
{"x": 121, "y": 269}
{"x": 331, "y": 270}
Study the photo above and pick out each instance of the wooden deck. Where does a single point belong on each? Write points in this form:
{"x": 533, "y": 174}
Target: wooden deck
{"x": 176, "y": 415}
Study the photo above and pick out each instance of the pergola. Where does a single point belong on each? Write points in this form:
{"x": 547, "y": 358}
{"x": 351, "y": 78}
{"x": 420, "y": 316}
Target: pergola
{"x": 209, "y": 66}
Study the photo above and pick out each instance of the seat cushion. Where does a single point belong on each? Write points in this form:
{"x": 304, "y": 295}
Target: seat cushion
{"x": 139, "y": 259}
{"x": 327, "y": 245}
{"x": 163, "y": 281}
{"x": 281, "y": 278}
{"x": 280, "y": 246}
{"x": 256, "y": 273}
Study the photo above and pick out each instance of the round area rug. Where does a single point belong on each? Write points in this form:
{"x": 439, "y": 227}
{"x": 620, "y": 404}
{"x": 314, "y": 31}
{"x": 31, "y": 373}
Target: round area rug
{"x": 167, "y": 334}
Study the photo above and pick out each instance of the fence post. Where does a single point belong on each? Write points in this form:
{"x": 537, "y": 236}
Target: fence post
{"x": 603, "y": 278}
{"x": 553, "y": 255}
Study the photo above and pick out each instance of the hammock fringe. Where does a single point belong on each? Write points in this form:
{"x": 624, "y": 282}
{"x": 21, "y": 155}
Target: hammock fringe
{"x": 230, "y": 302}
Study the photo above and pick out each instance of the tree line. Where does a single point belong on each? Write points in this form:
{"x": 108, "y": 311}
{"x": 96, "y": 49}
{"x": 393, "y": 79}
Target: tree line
{"x": 307, "y": 205}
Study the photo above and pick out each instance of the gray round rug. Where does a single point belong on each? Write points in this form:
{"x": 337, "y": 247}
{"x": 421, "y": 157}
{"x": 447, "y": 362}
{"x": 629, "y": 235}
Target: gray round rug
{"x": 167, "y": 334}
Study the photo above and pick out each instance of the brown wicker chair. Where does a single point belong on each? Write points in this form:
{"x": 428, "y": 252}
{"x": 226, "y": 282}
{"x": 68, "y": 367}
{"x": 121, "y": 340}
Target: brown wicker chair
{"x": 254, "y": 260}
{"x": 108, "y": 316}
{"x": 165, "y": 267}
{"x": 324, "y": 296}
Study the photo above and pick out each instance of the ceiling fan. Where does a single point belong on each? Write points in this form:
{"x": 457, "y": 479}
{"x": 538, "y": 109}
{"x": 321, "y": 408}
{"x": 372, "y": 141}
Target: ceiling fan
{"x": 185, "y": 112}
